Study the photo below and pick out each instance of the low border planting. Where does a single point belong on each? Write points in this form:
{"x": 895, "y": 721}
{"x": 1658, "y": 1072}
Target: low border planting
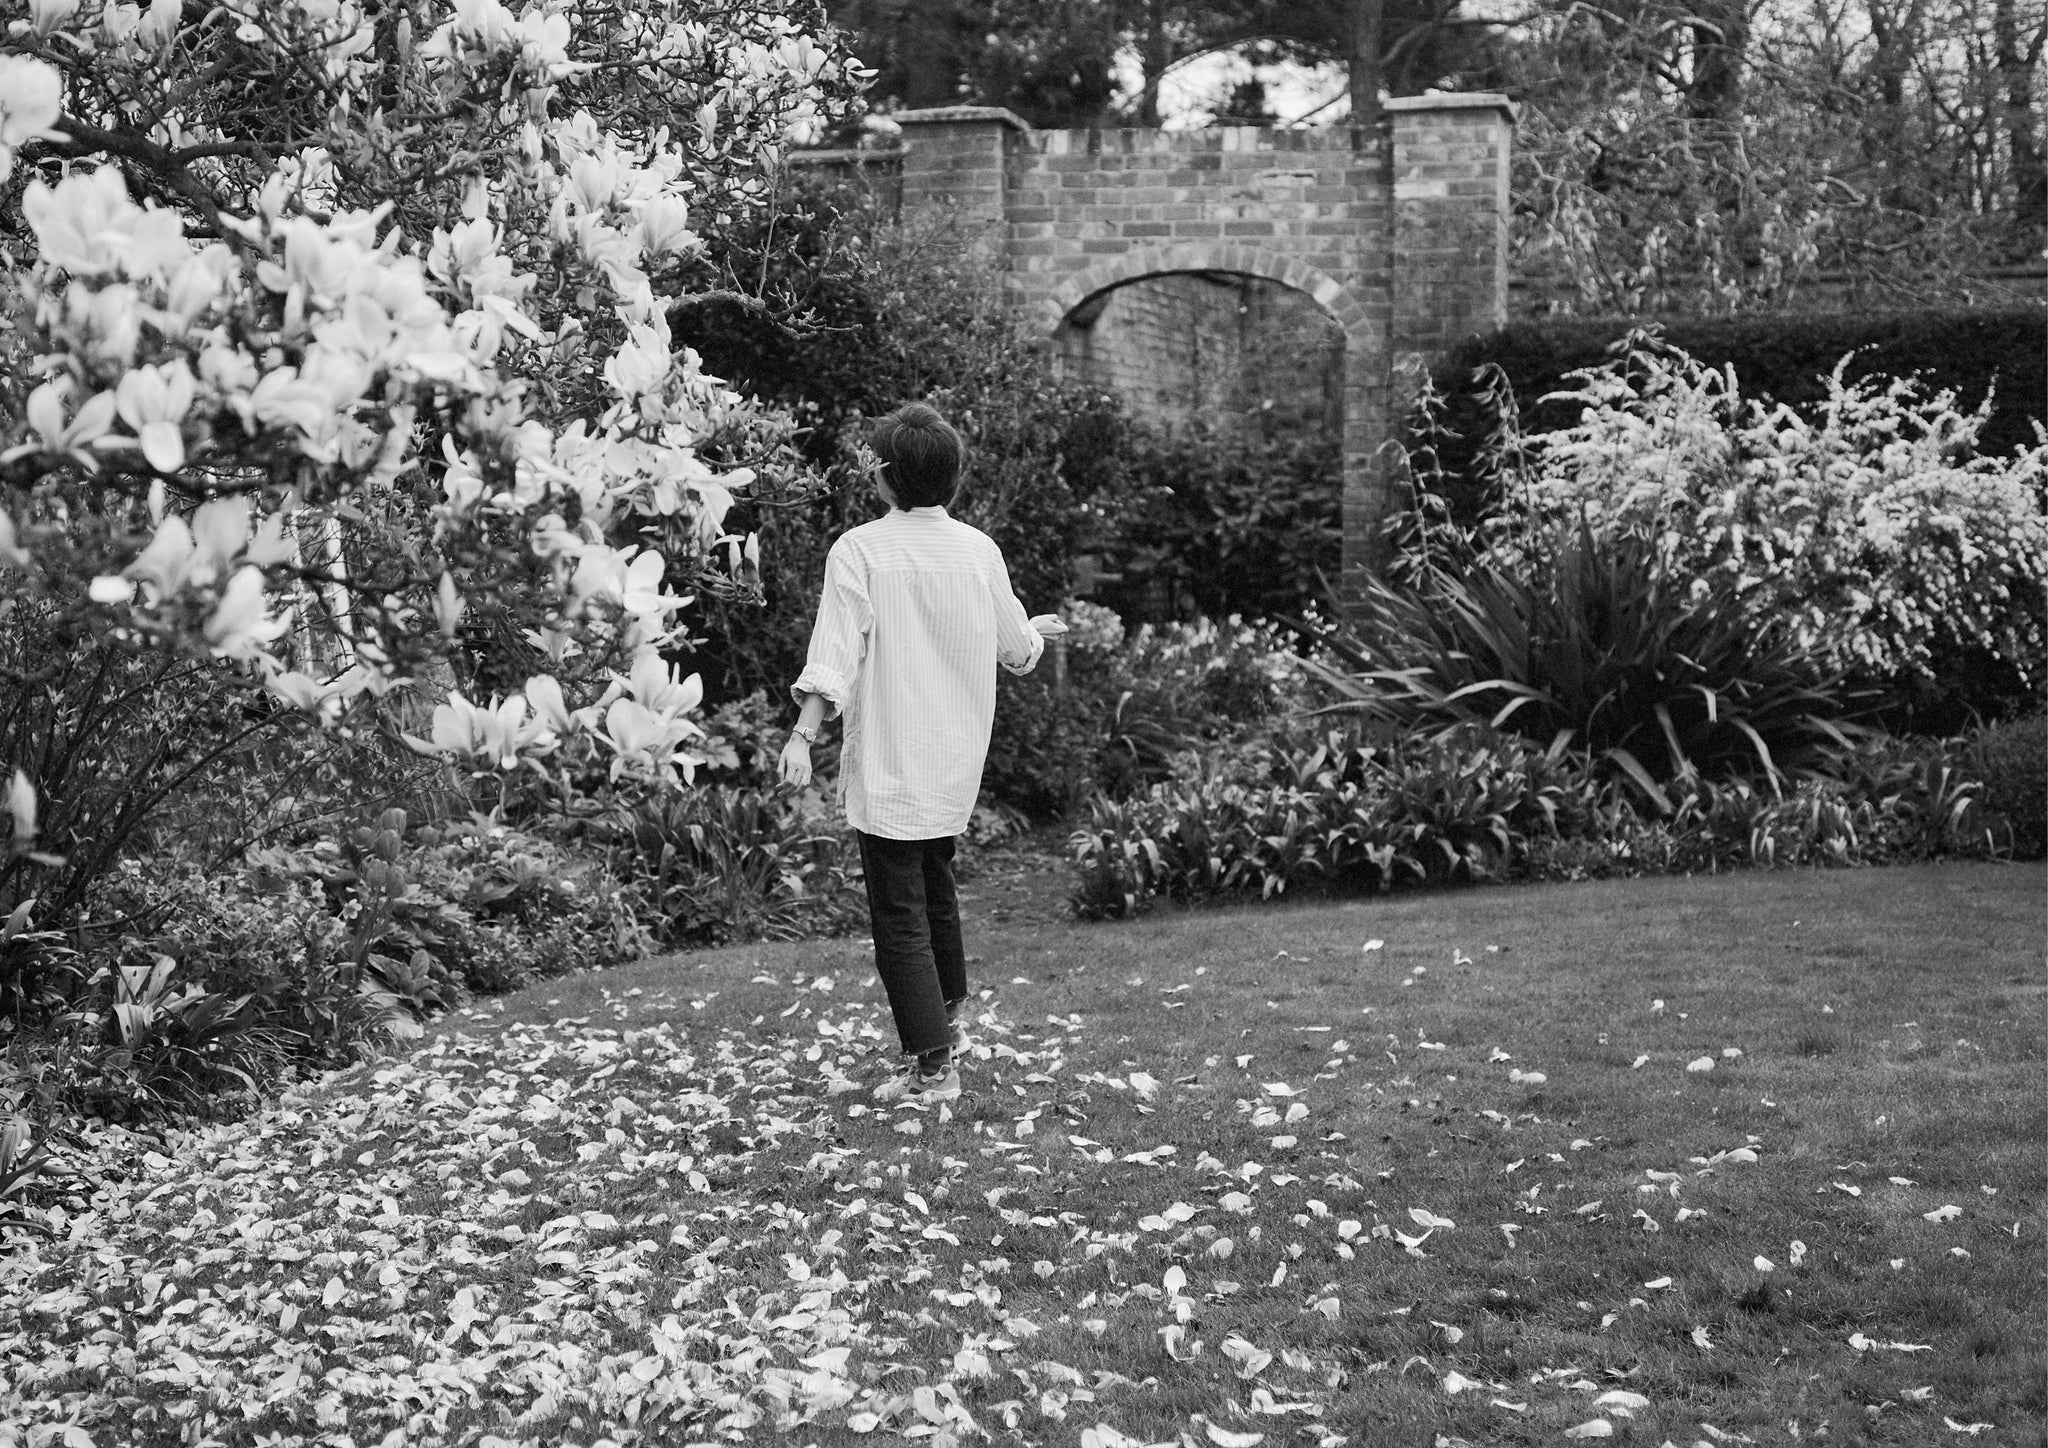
{"x": 1350, "y": 813}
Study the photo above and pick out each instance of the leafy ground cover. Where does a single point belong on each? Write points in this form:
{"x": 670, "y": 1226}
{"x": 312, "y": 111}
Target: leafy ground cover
{"x": 1748, "y": 1158}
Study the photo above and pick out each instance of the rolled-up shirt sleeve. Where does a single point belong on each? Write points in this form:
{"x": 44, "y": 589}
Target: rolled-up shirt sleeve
{"x": 840, "y": 635}
{"x": 1018, "y": 644}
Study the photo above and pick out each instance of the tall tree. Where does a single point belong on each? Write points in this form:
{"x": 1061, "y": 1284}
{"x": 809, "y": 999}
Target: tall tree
{"x": 1362, "y": 60}
{"x": 1889, "y": 147}
{"x": 2019, "y": 61}
{"x": 1054, "y": 61}
{"x": 1051, "y": 61}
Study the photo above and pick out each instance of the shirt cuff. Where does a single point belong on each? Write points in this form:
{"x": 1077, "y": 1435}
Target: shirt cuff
{"x": 828, "y": 684}
{"x": 1037, "y": 652}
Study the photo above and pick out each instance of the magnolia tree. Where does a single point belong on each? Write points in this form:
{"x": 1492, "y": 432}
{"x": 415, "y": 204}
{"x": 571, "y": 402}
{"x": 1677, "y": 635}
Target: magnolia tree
{"x": 338, "y": 331}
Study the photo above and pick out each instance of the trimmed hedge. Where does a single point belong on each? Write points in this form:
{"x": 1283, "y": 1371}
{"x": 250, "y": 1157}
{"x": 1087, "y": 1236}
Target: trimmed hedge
{"x": 2012, "y": 760}
{"x": 1779, "y": 356}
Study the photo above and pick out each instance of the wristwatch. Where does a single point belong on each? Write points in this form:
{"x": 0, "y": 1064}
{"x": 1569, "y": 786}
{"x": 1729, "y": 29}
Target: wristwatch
{"x": 805, "y": 732}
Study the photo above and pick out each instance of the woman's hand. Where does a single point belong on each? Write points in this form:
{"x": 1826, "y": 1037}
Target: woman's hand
{"x": 1049, "y": 625}
{"x": 796, "y": 762}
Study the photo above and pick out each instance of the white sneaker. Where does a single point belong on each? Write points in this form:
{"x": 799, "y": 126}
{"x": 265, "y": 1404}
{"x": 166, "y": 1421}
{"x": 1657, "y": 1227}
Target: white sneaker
{"x": 914, "y": 1084}
{"x": 962, "y": 1042}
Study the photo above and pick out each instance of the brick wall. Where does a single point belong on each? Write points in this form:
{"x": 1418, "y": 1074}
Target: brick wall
{"x": 1211, "y": 347}
{"x": 1405, "y": 252}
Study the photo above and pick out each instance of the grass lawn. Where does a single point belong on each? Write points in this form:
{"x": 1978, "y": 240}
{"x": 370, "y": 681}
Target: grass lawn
{"x": 1756, "y": 1158}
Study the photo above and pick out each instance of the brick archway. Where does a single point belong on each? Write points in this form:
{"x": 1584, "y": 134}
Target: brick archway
{"x": 1205, "y": 256}
{"x": 1071, "y": 214}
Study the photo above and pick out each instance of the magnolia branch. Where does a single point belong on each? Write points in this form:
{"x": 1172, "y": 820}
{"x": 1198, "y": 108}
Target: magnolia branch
{"x": 82, "y": 138}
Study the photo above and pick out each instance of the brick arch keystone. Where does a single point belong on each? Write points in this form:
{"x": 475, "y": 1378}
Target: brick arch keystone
{"x": 1323, "y": 289}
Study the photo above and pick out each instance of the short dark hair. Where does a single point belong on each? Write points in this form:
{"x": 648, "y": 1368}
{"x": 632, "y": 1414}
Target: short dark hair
{"x": 923, "y": 454}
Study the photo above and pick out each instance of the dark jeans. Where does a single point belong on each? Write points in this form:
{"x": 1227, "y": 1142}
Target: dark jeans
{"x": 915, "y": 911}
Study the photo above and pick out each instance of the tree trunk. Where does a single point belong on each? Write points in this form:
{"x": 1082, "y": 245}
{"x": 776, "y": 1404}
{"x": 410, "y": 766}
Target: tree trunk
{"x": 1886, "y": 132}
{"x": 1365, "y": 49}
{"x": 2016, "y": 70}
{"x": 1716, "y": 92}
{"x": 1155, "y": 54}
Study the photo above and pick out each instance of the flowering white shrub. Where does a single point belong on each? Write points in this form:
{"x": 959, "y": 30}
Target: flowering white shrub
{"x": 381, "y": 356}
{"x": 1884, "y": 541}
{"x": 1092, "y": 628}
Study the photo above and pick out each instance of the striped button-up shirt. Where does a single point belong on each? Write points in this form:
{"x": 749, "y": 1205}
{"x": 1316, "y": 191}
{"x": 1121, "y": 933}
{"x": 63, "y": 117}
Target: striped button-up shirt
{"x": 917, "y": 612}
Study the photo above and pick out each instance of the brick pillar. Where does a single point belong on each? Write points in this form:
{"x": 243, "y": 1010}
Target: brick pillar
{"x": 953, "y": 159}
{"x": 1447, "y": 276}
{"x": 1451, "y": 157}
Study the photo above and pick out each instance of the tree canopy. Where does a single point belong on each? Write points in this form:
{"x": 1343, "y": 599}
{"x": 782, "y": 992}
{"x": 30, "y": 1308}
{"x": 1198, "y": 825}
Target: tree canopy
{"x": 1673, "y": 155}
{"x": 1056, "y": 62}
{"x": 336, "y": 332}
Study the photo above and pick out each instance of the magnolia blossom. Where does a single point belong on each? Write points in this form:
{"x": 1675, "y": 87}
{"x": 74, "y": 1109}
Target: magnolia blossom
{"x": 185, "y": 555}
{"x": 160, "y": 26}
{"x": 47, "y": 17}
{"x": 499, "y": 736}
{"x": 31, "y": 100}
{"x": 481, "y": 28}
{"x": 45, "y": 413}
{"x": 154, "y": 401}
{"x": 88, "y": 226}
{"x": 305, "y": 349}
{"x": 544, "y": 694}
{"x": 323, "y": 697}
{"x": 655, "y": 685}
{"x": 664, "y": 227}
{"x": 242, "y": 624}
{"x": 641, "y": 366}
{"x": 645, "y": 742}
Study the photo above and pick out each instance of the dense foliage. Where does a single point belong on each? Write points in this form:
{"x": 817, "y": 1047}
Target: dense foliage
{"x": 1872, "y": 533}
{"x": 1131, "y": 707}
{"x": 1979, "y": 354}
{"x": 1597, "y": 643}
{"x": 1239, "y": 520}
{"x": 2012, "y": 760}
{"x": 1357, "y": 809}
{"x": 1702, "y": 157}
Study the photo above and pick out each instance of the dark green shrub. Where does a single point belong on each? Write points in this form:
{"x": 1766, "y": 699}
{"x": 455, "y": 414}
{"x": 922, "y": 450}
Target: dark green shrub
{"x": 1348, "y": 812}
{"x": 1132, "y": 706}
{"x": 2012, "y": 761}
{"x": 1655, "y": 678}
{"x": 151, "y": 1039}
{"x": 281, "y": 944}
{"x": 1044, "y": 747}
{"x": 1341, "y": 813}
{"x": 427, "y": 915}
{"x": 1226, "y": 521}
{"x": 24, "y": 1156}
{"x": 722, "y": 863}
{"x": 109, "y": 738}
